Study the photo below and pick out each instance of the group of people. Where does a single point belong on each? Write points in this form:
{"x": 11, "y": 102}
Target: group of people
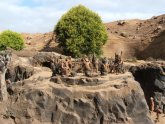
{"x": 62, "y": 66}
{"x": 90, "y": 66}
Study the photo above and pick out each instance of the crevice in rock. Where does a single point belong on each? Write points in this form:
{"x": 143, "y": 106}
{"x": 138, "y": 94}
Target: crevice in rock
{"x": 12, "y": 117}
{"x": 151, "y": 79}
{"x": 18, "y": 73}
{"x": 46, "y": 64}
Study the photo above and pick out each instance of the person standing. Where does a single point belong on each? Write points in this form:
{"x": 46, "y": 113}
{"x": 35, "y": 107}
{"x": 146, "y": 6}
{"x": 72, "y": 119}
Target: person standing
{"x": 152, "y": 105}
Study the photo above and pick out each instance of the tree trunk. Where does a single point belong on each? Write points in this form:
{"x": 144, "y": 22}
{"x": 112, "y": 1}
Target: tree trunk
{"x": 3, "y": 90}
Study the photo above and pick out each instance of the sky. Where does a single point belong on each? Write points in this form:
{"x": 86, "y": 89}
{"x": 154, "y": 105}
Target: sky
{"x": 40, "y": 16}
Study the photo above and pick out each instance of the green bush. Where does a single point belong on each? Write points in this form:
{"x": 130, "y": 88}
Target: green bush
{"x": 81, "y": 31}
{"x": 12, "y": 40}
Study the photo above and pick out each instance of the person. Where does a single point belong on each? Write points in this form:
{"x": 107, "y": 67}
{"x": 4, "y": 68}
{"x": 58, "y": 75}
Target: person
{"x": 87, "y": 67}
{"x": 65, "y": 69}
{"x": 152, "y": 105}
{"x": 56, "y": 66}
{"x": 118, "y": 63}
{"x": 95, "y": 63}
{"x": 104, "y": 67}
{"x": 70, "y": 62}
{"x": 118, "y": 58}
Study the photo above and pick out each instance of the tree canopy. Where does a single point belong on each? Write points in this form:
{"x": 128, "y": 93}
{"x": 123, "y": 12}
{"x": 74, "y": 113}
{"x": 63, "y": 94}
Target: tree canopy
{"x": 81, "y": 31}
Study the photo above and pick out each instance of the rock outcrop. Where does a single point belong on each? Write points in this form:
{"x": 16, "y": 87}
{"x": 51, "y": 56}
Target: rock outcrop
{"x": 44, "y": 58}
{"x": 19, "y": 69}
{"x": 152, "y": 80}
{"x": 38, "y": 100}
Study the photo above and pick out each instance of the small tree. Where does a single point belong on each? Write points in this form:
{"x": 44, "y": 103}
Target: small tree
{"x": 11, "y": 39}
{"x": 81, "y": 31}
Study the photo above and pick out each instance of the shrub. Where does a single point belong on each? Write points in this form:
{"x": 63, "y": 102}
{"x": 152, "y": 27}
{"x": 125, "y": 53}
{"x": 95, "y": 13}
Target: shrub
{"x": 12, "y": 40}
{"x": 81, "y": 31}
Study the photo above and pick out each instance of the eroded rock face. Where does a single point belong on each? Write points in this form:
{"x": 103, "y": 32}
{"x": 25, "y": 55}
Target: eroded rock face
{"x": 151, "y": 78}
{"x": 84, "y": 81}
{"x": 19, "y": 73}
{"x": 45, "y": 58}
{"x": 119, "y": 100}
{"x": 18, "y": 69}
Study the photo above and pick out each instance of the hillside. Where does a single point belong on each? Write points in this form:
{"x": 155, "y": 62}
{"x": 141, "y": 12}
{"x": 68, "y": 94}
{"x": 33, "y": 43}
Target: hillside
{"x": 136, "y": 38}
{"x": 139, "y": 38}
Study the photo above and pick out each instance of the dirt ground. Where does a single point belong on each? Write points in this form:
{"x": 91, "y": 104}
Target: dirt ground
{"x": 154, "y": 118}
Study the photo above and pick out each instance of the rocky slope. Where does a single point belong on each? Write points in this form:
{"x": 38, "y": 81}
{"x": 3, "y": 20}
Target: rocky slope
{"x": 39, "y": 100}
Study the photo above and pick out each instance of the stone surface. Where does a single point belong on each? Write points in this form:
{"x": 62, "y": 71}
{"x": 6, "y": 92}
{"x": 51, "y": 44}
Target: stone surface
{"x": 118, "y": 100}
{"x": 44, "y": 58}
{"x": 77, "y": 80}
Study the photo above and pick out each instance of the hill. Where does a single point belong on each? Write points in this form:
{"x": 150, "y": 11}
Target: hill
{"x": 136, "y": 38}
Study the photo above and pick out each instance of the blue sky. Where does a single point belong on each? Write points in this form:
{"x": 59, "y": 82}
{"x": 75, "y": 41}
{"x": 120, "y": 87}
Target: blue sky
{"x": 40, "y": 16}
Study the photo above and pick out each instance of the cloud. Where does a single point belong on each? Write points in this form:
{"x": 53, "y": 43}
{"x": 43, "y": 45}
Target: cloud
{"x": 41, "y": 15}
{"x": 25, "y": 19}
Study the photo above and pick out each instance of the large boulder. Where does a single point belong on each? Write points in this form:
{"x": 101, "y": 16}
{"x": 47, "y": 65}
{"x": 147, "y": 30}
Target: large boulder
{"x": 119, "y": 100}
{"x": 45, "y": 58}
{"x": 19, "y": 69}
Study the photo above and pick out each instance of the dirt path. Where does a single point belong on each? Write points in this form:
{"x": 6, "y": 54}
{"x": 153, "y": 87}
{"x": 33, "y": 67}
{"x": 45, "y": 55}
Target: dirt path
{"x": 162, "y": 118}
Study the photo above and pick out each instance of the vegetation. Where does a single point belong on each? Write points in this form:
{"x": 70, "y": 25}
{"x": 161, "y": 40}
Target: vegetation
{"x": 81, "y": 31}
{"x": 12, "y": 40}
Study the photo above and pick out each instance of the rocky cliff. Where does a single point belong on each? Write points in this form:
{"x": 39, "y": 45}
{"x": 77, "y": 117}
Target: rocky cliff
{"x": 40, "y": 100}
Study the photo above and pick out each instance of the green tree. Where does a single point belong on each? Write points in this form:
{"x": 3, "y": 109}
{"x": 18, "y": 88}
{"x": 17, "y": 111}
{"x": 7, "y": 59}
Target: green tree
{"x": 81, "y": 31}
{"x": 11, "y": 39}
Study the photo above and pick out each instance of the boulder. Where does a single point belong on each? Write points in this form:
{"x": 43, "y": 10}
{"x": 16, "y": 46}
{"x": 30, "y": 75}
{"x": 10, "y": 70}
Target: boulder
{"x": 45, "y": 58}
{"x": 123, "y": 34}
{"x": 121, "y": 22}
{"x": 49, "y": 102}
